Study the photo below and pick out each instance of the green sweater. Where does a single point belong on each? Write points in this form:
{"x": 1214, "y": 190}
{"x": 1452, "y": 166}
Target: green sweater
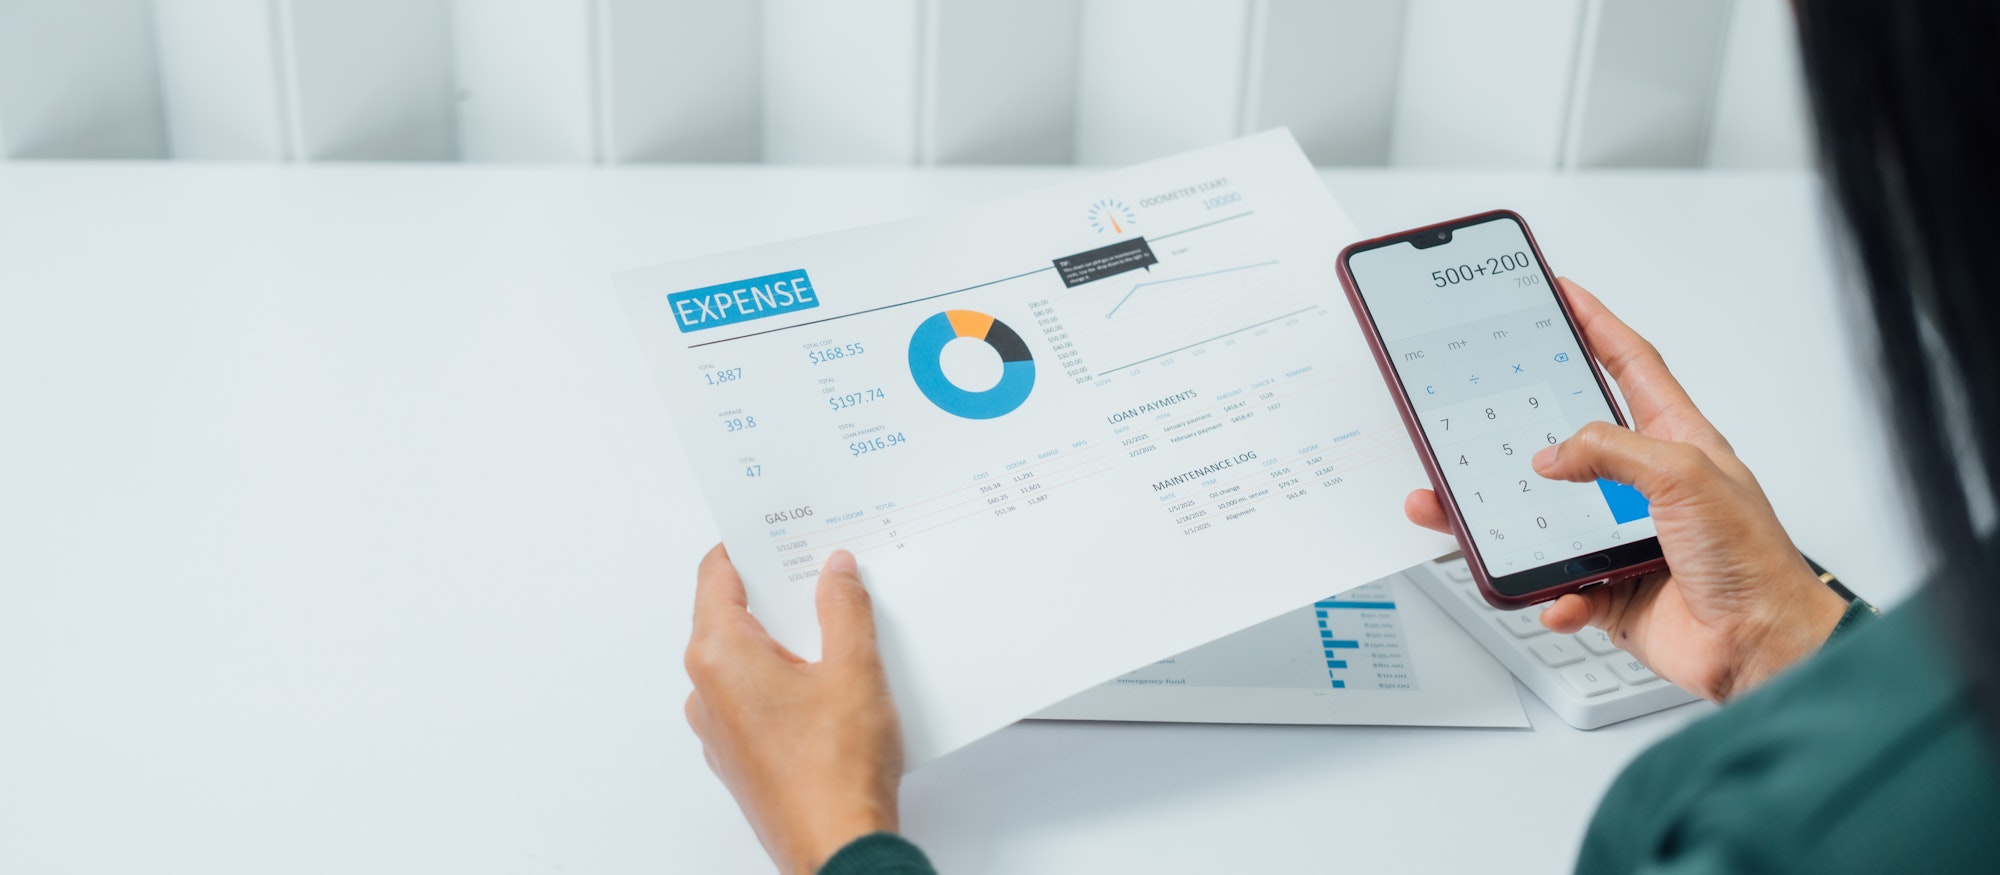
{"x": 1867, "y": 758}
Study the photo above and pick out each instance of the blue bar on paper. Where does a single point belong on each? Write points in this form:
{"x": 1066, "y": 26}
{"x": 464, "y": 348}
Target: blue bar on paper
{"x": 1323, "y": 633}
{"x": 1357, "y": 606}
{"x": 1626, "y": 503}
{"x": 1322, "y": 624}
{"x": 1336, "y": 663}
{"x": 1337, "y": 642}
{"x": 1320, "y": 614}
{"x": 1340, "y": 685}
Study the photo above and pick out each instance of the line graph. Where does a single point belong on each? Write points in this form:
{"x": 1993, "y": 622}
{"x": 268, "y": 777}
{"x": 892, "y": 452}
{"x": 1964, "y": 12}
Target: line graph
{"x": 1205, "y": 341}
{"x": 1192, "y": 276}
{"x": 1208, "y": 291}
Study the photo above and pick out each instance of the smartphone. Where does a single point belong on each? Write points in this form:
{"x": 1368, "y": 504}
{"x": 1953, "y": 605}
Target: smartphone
{"x": 1488, "y": 367}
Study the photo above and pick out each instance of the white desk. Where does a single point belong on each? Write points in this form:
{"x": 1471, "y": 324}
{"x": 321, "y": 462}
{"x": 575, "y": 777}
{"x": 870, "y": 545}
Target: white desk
{"x": 341, "y": 530}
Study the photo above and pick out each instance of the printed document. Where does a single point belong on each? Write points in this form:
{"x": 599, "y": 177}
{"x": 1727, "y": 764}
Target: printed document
{"x": 1065, "y": 433}
{"x": 1380, "y": 654}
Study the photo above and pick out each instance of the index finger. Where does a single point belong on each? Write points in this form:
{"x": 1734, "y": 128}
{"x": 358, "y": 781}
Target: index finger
{"x": 718, "y": 589}
{"x": 1632, "y": 361}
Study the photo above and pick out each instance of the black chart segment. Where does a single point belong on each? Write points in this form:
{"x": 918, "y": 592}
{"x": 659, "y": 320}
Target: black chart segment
{"x": 927, "y": 351}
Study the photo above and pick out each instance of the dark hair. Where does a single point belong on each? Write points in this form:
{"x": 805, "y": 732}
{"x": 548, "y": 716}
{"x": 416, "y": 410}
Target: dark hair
{"x": 1906, "y": 97}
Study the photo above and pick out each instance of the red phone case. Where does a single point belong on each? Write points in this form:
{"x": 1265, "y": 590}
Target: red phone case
{"x": 1458, "y": 527}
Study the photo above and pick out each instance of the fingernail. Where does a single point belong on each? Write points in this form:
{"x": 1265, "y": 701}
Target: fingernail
{"x": 842, "y": 562}
{"x": 1544, "y": 459}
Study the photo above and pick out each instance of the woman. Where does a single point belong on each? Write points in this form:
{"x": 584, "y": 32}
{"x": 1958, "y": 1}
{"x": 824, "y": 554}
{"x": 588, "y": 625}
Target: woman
{"x": 1875, "y": 750}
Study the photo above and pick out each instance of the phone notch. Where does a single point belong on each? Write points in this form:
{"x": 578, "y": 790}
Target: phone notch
{"x": 1429, "y": 239}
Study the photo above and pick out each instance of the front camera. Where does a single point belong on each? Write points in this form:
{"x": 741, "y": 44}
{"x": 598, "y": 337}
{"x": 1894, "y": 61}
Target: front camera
{"x": 1426, "y": 241}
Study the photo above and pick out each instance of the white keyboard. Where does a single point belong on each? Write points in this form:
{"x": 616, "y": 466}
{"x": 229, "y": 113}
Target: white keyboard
{"x": 1585, "y": 679}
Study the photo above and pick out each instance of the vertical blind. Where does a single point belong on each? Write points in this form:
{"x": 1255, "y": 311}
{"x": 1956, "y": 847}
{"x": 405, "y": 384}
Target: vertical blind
{"x": 1525, "y": 84}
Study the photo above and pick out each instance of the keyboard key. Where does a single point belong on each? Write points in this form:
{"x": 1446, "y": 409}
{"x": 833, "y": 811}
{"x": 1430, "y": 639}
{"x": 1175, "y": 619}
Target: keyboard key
{"x": 1524, "y": 624}
{"x": 1597, "y": 681}
{"x": 1589, "y": 679}
{"x": 1597, "y": 641}
{"x": 1555, "y": 652}
{"x": 1632, "y": 671}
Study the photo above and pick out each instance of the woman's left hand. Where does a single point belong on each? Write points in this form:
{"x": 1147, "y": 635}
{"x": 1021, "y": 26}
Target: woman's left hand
{"x": 812, "y": 751}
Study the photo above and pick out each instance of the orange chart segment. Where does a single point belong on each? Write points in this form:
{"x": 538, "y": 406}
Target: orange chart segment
{"x": 969, "y": 323}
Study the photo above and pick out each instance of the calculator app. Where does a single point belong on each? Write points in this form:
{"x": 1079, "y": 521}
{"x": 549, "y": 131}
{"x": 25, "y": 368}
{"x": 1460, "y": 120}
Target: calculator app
{"x": 1494, "y": 374}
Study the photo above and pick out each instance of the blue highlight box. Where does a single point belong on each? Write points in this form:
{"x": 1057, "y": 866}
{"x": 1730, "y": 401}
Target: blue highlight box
{"x": 1626, "y": 503}
{"x": 742, "y": 300}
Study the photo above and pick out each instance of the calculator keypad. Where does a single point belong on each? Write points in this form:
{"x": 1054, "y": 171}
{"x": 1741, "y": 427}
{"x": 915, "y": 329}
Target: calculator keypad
{"x": 1485, "y": 445}
{"x": 1490, "y": 394}
{"x": 1584, "y": 677}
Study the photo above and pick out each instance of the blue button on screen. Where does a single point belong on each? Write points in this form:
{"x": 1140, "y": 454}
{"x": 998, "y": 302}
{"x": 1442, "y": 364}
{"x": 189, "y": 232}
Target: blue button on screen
{"x": 1626, "y": 503}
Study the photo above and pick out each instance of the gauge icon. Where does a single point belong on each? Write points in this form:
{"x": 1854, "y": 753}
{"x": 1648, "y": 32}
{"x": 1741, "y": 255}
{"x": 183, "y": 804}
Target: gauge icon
{"x": 1111, "y": 216}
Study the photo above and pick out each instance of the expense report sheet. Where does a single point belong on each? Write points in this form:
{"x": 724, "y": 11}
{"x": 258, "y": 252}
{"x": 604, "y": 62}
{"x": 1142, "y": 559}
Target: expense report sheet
{"x": 1066, "y": 434}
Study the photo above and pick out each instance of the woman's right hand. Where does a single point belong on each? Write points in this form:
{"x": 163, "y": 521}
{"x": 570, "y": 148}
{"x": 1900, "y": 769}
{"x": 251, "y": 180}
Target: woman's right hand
{"x": 1738, "y": 603}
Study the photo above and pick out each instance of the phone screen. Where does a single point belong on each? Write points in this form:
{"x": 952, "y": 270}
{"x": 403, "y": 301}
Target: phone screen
{"x": 1494, "y": 373}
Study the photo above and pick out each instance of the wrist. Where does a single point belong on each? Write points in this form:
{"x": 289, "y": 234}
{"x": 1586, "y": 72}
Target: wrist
{"x": 1791, "y": 628}
{"x": 827, "y": 833}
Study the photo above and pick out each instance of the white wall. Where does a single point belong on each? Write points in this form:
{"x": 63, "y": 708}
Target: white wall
{"x": 1001, "y": 82}
{"x": 1528, "y": 84}
{"x": 681, "y": 80}
{"x": 841, "y": 80}
{"x": 222, "y": 80}
{"x": 1328, "y": 69}
{"x": 78, "y": 79}
{"x": 1760, "y": 115}
{"x": 1486, "y": 84}
{"x": 526, "y": 87}
{"x": 1646, "y": 84}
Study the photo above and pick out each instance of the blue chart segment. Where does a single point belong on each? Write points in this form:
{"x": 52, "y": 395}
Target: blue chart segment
{"x": 1017, "y": 375}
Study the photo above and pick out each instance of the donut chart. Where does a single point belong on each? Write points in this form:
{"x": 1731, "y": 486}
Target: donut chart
{"x": 1017, "y": 374}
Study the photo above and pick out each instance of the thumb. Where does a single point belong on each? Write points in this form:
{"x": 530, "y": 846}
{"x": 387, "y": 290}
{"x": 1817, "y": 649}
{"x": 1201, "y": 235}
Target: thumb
{"x": 1660, "y": 470}
{"x": 846, "y": 612}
